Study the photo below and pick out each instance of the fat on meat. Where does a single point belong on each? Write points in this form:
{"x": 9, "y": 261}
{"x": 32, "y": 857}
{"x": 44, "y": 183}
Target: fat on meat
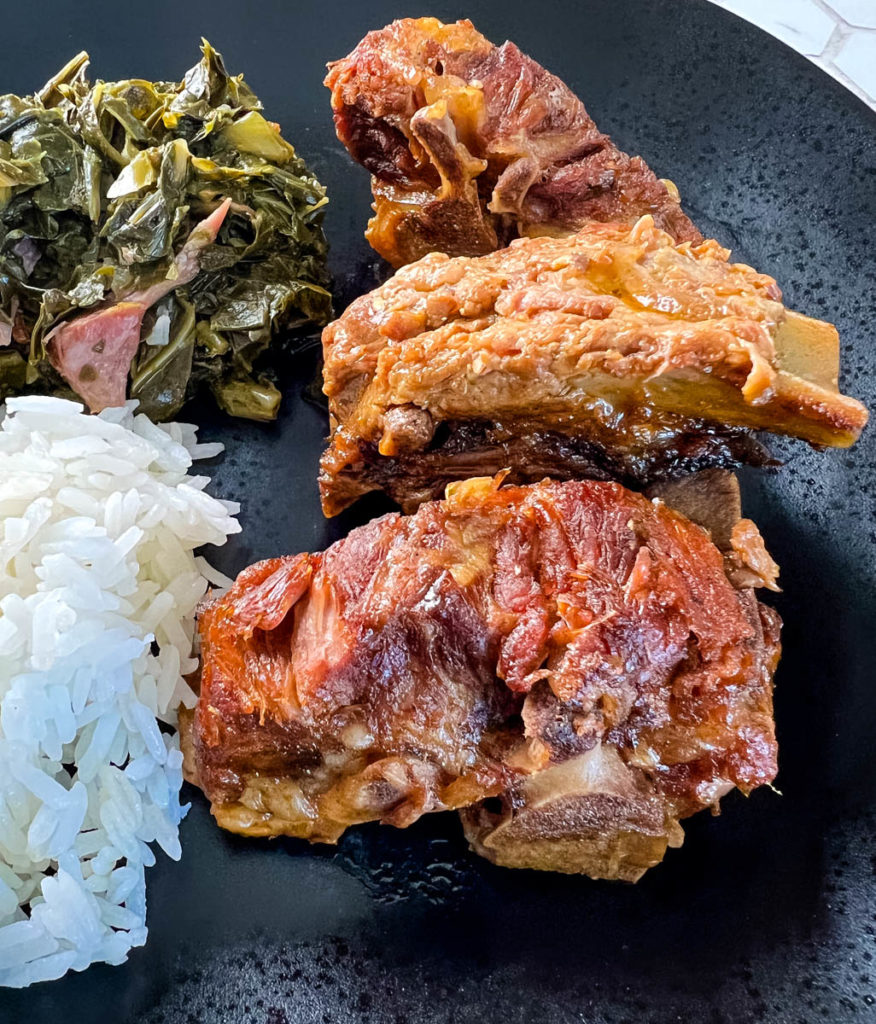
{"x": 572, "y": 666}
{"x": 470, "y": 145}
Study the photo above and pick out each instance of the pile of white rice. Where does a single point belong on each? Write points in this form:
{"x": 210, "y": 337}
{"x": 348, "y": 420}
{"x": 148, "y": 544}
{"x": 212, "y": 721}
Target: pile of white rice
{"x": 98, "y": 587}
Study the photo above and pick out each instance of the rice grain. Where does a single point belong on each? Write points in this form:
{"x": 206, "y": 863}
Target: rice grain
{"x": 99, "y": 521}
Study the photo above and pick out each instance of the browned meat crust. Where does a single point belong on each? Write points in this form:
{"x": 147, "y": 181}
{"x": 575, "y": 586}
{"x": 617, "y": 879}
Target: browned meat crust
{"x": 572, "y": 653}
{"x": 528, "y": 451}
{"x": 470, "y": 145}
{"x": 612, "y": 352}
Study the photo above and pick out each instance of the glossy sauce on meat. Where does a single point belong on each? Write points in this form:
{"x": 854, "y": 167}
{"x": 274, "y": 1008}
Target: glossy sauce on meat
{"x": 471, "y": 144}
{"x": 633, "y": 357}
{"x": 573, "y": 649}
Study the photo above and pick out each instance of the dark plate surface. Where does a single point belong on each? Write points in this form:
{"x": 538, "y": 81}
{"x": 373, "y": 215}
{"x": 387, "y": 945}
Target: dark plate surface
{"x": 768, "y": 913}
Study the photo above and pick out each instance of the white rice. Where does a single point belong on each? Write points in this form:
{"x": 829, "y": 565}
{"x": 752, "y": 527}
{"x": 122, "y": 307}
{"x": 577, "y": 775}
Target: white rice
{"x": 98, "y": 587}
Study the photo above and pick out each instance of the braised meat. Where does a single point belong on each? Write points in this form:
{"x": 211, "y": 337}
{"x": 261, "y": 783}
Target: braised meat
{"x": 612, "y": 353}
{"x": 470, "y": 145}
{"x": 574, "y": 665}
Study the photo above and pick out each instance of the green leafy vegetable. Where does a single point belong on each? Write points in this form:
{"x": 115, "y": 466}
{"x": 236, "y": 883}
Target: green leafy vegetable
{"x": 100, "y": 187}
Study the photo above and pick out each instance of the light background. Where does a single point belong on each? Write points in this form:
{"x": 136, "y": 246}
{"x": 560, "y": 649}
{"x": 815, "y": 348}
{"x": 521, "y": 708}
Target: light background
{"x": 838, "y": 35}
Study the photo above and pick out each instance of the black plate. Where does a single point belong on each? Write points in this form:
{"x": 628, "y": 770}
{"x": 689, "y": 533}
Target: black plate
{"x": 767, "y": 913}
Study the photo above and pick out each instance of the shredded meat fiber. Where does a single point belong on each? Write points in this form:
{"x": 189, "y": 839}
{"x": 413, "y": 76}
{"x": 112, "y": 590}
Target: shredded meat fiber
{"x": 470, "y": 145}
{"x": 622, "y": 346}
{"x": 613, "y": 353}
{"x": 567, "y": 664}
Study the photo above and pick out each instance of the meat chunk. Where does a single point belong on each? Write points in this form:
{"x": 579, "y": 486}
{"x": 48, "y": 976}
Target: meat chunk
{"x": 93, "y": 352}
{"x": 567, "y": 663}
{"x": 470, "y": 145}
{"x": 612, "y": 353}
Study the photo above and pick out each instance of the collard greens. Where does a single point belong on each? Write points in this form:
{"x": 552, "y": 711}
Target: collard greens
{"x": 101, "y": 185}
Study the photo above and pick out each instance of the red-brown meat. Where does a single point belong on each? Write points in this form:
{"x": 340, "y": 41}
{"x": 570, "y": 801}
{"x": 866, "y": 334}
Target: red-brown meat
{"x": 574, "y": 650}
{"x": 612, "y": 353}
{"x": 93, "y": 352}
{"x": 471, "y": 144}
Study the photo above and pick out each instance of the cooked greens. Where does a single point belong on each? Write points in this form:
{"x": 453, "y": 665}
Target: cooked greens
{"x": 100, "y": 188}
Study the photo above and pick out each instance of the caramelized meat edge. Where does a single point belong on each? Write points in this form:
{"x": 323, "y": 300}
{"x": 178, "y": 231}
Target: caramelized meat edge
{"x": 470, "y": 145}
{"x": 613, "y": 352}
{"x": 573, "y": 666}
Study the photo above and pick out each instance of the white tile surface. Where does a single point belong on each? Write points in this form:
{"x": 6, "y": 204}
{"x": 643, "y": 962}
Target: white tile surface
{"x": 837, "y": 35}
{"x": 860, "y": 13}
{"x": 857, "y": 59}
{"x": 799, "y": 23}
